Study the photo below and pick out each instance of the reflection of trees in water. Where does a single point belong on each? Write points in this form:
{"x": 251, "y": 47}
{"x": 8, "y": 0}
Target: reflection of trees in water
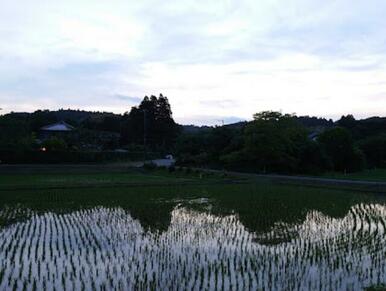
{"x": 106, "y": 248}
{"x": 259, "y": 207}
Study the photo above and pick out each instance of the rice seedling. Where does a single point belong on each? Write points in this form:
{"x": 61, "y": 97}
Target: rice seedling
{"x": 105, "y": 248}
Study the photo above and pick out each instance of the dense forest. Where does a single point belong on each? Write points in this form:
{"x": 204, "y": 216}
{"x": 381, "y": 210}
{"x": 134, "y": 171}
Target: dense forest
{"x": 271, "y": 143}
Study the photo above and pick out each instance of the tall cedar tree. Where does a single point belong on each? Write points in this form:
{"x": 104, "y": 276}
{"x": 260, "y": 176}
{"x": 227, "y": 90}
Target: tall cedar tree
{"x": 155, "y": 115}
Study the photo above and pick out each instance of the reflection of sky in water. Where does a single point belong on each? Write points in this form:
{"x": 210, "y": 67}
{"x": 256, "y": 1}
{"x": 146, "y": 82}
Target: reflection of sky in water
{"x": 106, "y": 248}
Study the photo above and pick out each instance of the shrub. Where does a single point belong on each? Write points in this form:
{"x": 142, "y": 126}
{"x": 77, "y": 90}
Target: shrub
{"x": 55, "y": 144}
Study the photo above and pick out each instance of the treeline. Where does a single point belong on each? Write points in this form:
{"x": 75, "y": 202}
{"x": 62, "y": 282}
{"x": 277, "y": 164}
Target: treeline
{"x": 21, "y": 131}
{"x": 271, "y": 143}
{"x": 282, "y": 143}
{"x": 150, "y": 124}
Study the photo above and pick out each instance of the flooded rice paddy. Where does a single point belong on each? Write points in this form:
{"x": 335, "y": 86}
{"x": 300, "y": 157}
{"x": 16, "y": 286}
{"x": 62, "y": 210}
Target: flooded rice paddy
{"x": 213, "y": 238}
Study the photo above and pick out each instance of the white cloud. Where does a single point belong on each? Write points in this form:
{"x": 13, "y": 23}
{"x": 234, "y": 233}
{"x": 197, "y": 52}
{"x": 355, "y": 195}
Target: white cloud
{"x": 311, "y": 57}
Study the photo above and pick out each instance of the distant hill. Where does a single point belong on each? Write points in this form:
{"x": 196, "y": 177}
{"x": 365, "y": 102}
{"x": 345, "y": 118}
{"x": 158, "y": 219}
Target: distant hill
{"x": 237, "y": 125}
{"x": 78, "y": 116}
{"x": 194, "y": 128}
{"x": 102, "y": 121}
{"x": 109, "y": 121}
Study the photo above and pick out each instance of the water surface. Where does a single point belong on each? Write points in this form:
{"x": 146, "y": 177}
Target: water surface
{"x": 231, "y": 237}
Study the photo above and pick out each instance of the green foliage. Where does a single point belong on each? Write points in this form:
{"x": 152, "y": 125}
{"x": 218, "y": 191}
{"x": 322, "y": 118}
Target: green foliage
{"x": 14, "y": 133}
{"x": 88, "y": 139}
{"x": 208, "y": 147}
{"x": 362, "y": 129}
{"x": 272, "y": 142}
{"x": 276, "y": 143}
{"x": 339, "y": 145}
{"x": 270, "y": 116}
{"x": 374, "y": 148}
{"x": 95, "y": 131}
{"x": 41, "y": 118}
{"x": 313, "y": 159}
{"x": 54, "y": 144}
{"x": 379, "y": 287}
{"x": 348, "y": 121}
{"x": 110, "y": 123}
{"x": 190, "y": 144}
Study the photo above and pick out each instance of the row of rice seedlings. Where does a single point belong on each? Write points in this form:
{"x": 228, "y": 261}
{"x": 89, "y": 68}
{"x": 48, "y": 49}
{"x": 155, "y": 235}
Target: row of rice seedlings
{"x": 106, "y": 249}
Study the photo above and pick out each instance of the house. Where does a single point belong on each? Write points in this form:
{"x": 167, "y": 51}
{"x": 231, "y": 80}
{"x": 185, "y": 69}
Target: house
{"x": 56, "y": 129}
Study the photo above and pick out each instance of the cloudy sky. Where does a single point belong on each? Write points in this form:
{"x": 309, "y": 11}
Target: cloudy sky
{"x": 215, "y": 60}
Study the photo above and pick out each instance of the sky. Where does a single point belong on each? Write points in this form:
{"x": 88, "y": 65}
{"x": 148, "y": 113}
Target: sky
{"x": 216, "y": 61}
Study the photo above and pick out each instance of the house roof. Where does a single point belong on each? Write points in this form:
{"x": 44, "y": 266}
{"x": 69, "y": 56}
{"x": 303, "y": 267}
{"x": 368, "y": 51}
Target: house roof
{"x": 59, "y": 126}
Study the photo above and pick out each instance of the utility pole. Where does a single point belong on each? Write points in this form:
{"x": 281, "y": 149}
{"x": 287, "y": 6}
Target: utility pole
{"x": 144, "y": 133}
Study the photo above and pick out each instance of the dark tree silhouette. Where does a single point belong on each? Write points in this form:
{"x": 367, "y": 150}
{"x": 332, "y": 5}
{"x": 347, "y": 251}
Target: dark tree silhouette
{"x": 153, "y": 120}
{"x": 339, "y": 145}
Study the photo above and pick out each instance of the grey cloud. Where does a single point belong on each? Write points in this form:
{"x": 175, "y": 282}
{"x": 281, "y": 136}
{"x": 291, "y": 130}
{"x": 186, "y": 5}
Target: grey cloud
{"x": 130, "y": 99}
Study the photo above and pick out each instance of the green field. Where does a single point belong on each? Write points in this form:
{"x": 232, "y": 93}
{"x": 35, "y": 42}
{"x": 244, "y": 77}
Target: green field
{"x": 67, "y": 179}
{"x": 85, "y": 178}
{"x": 139, "y": 230}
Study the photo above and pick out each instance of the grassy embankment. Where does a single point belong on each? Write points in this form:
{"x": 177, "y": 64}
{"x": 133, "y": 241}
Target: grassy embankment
{"x": 74, "y": 176}
{"x": 378, "y": 175}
